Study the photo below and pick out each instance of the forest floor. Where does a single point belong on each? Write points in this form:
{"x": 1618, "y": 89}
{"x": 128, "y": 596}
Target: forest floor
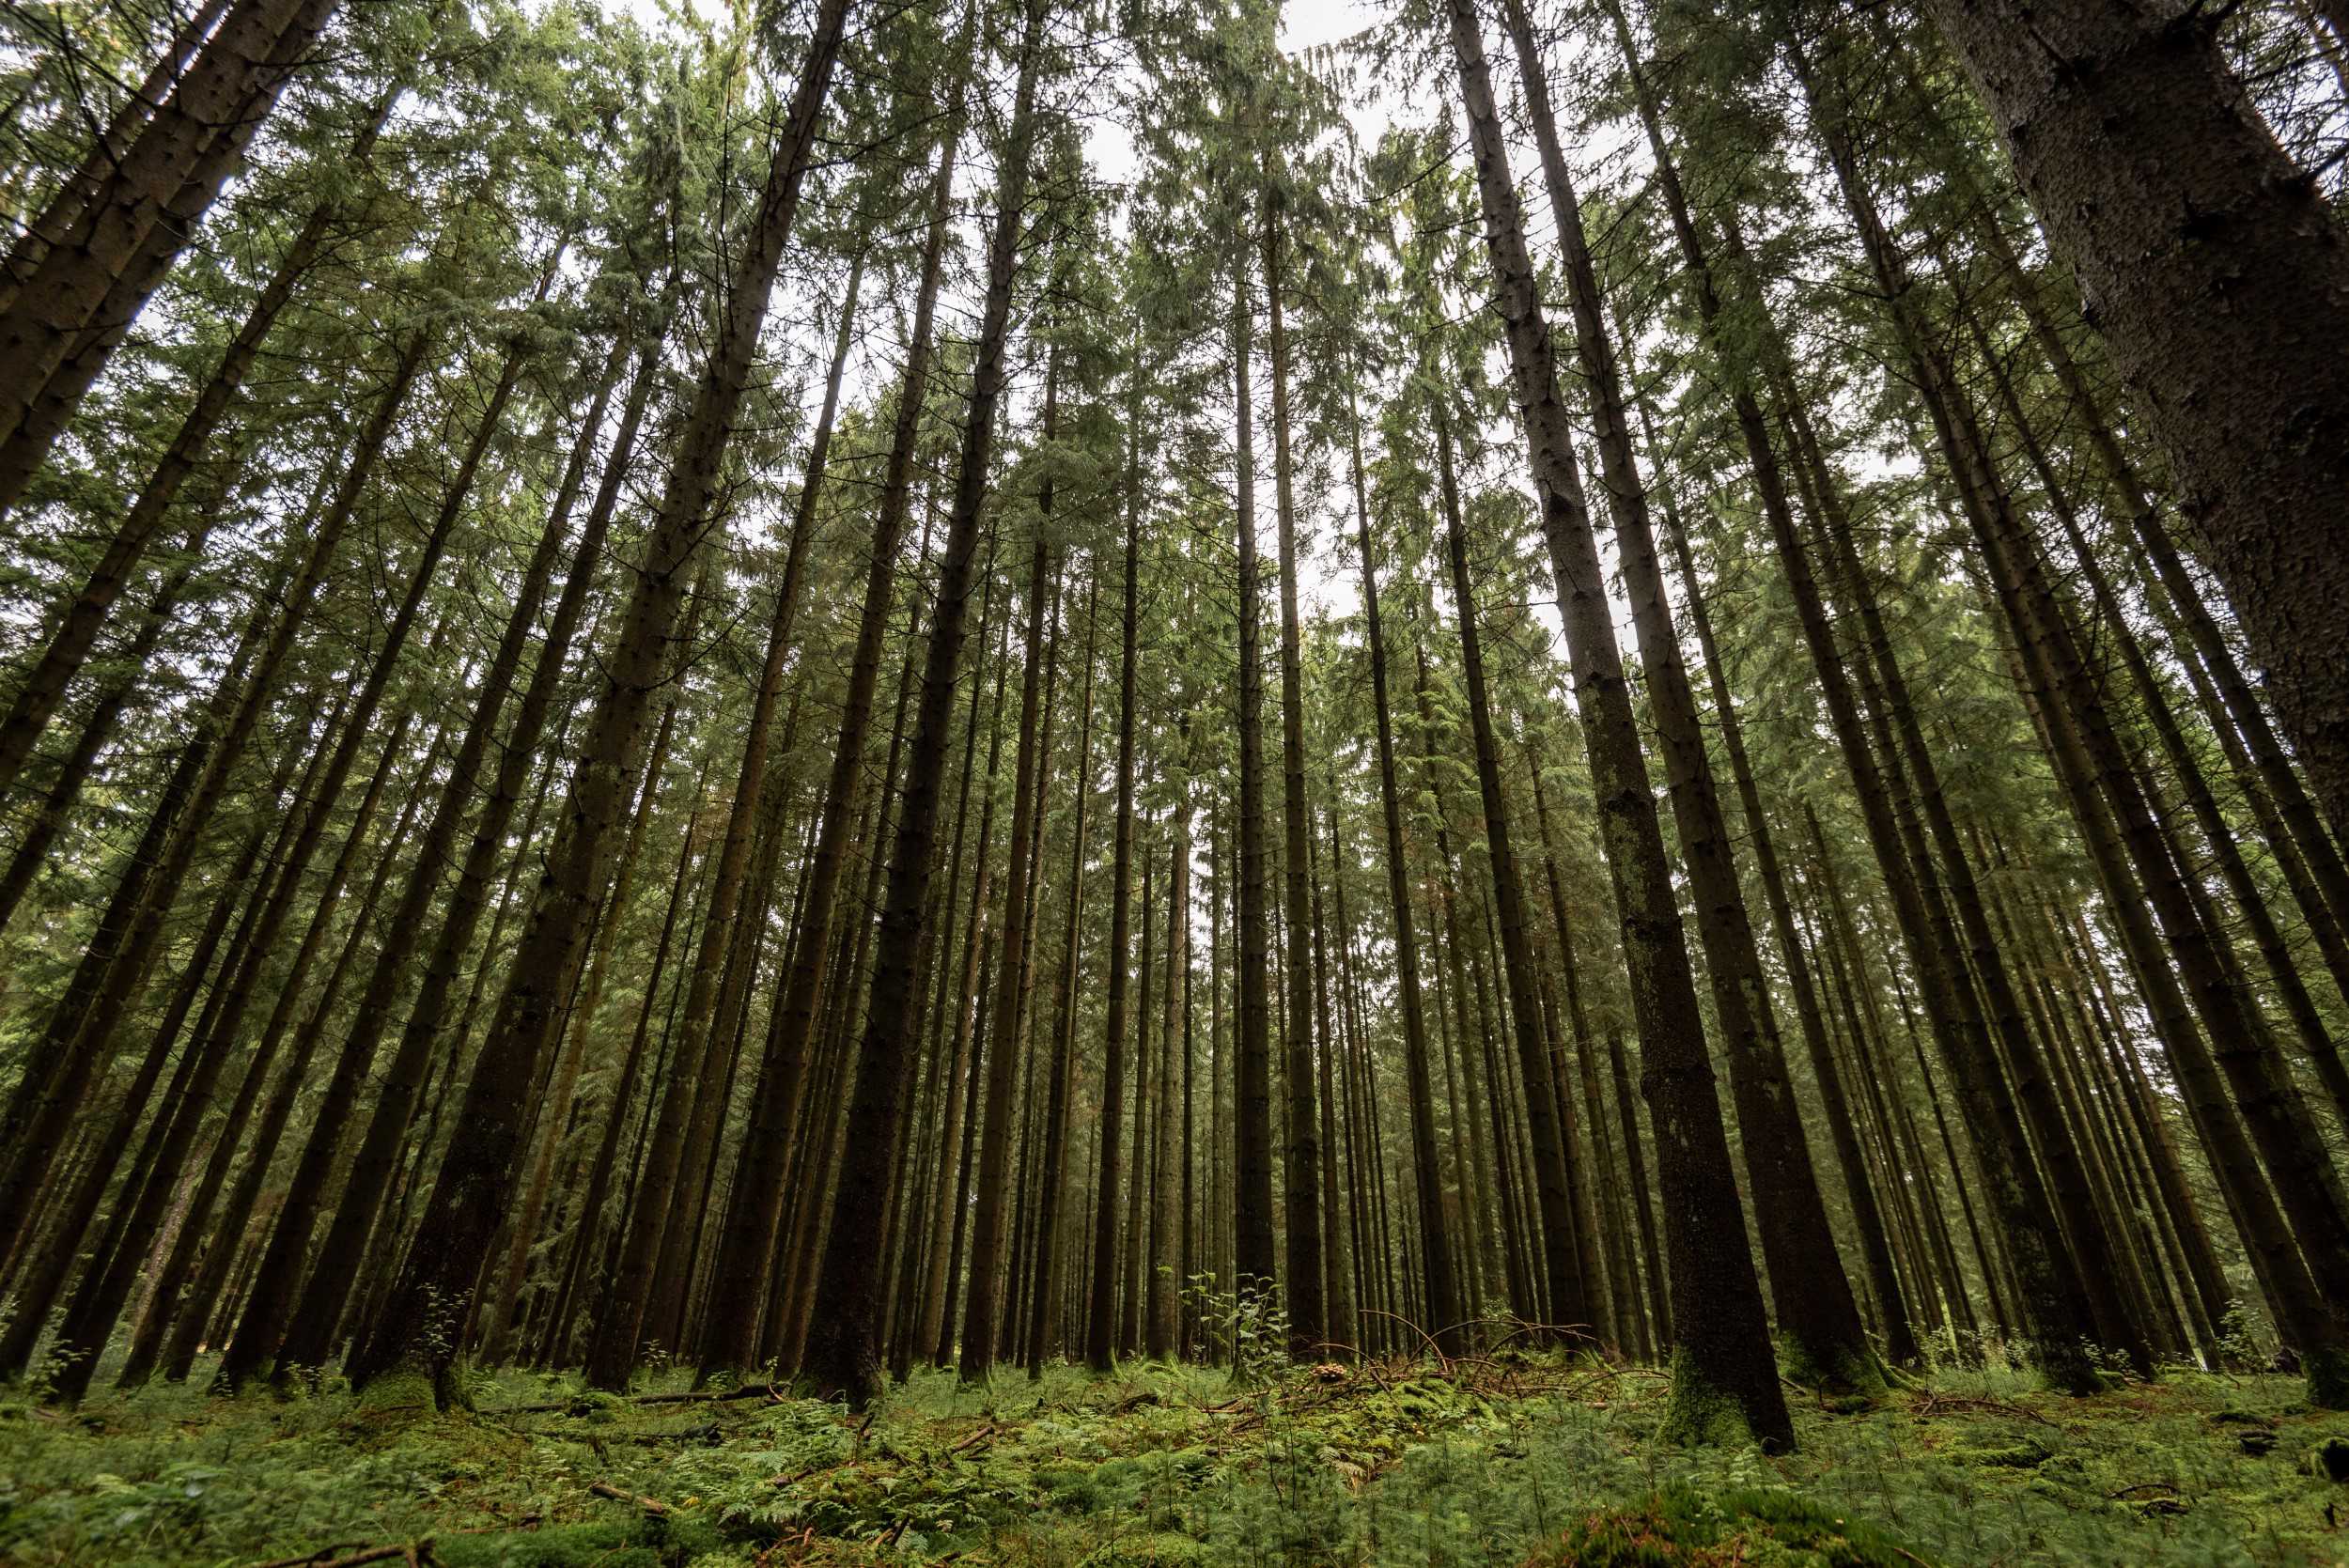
{"x": 1534, "y": 1461}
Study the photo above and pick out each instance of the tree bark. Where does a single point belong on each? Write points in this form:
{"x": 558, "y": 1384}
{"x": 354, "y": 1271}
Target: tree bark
{"x": 1725, "y": 1383}
{"x": 843, "y": 1353}
{"x": 431, "y": 1303}
{"x": 1302, "y": 1154}
{"x": 2219, "y": 276}
{"x": 1440, "y": 1284}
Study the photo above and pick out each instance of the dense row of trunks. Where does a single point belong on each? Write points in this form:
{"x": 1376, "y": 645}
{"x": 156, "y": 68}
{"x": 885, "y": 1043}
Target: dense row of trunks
{"x": 648, "y": 949}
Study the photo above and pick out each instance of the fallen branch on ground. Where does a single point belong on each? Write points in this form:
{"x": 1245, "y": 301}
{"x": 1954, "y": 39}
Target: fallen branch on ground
{"x": 412, "y": 1552}
{"x": 1934, "y": 1403}
{"x": 691, "y": 1396}
{"x": 789, "y": 1477}
{"x": 2146, "y": 1486}
{"x": 650, "y": 1505}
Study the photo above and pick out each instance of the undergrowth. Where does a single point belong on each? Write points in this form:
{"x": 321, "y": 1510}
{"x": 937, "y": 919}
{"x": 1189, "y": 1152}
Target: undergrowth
{"x": 1534, "y": 1460}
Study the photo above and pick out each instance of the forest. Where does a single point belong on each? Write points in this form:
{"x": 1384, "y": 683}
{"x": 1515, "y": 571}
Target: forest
{"x": 1225, "y": 781}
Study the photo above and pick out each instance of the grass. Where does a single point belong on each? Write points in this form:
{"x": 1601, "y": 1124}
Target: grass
{"x": 1534, "y": 1461}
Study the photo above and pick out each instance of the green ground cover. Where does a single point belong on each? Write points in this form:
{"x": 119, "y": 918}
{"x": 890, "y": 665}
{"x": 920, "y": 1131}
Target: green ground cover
{"x": 1531, "y": 1460}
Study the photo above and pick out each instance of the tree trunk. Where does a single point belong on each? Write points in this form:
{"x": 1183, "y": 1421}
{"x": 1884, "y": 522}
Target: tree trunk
{"x": 1440, "y": 1283}
{"x": 1254, "y": 1260}
{"x": 1302, "y": 1154}
{"x": 1044, "y": 1317}
{"x": 1101, "y": 1300}
{"x": 653, "y": 1265}
{"x": 843, "y": 1353}
{"x": 1725, "y": 1383}
{"x": 2086, "y": 751}
{"x": 1900, "y": 1336}
{"x": 2219, "y": 277}
{"x": 1166, "y": 1182}
{"x": 429, "y": 1307}
{"x": 68, "y": 205}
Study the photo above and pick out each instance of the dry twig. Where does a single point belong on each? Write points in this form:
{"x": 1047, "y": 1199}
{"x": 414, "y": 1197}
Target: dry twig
{"x": 412, "y": 1552}
{"x": 650, "y": 1505}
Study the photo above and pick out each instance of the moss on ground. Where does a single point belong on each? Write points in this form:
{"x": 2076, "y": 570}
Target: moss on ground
{"x": 1518, "y": 1460}
{"x": 1687, "y": 1526}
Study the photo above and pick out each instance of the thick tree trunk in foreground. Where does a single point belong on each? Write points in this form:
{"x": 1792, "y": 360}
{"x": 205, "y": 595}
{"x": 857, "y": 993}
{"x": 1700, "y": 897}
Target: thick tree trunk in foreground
{"x": 2219, "y": 274}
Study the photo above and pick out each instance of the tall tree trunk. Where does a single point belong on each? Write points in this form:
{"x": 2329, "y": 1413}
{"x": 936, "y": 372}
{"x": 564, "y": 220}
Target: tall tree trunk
{"x": 653, "y": 1269}
{"x": 2055, "y": 1292}
{"x": 68, "y": 205}
{"x": 524, "y": 1230}
{"x": 1101, "y": 1297}
{"x": 843, "y": 1352}
{"x": 1132, "y": 1252}
{"x": 1044, "y": 1314}
{"x": 1166, "y": 1180}
{"x": 432, "y": 1301}
{"x": 1440, "y": 1283}
{"x": 1254, "y": 1260}
{"x": 1816, "y": 1309}
{"x": 1725, "y": 1382}
{"x": 2087, "y": 753}
{"x": 1342, "y": 1239}
{"x": 933, "y": 1333}
{"x": 2219, "y": 277}
{"x": 747, "y": 1245}
{"x": 1302, "y": 1154}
